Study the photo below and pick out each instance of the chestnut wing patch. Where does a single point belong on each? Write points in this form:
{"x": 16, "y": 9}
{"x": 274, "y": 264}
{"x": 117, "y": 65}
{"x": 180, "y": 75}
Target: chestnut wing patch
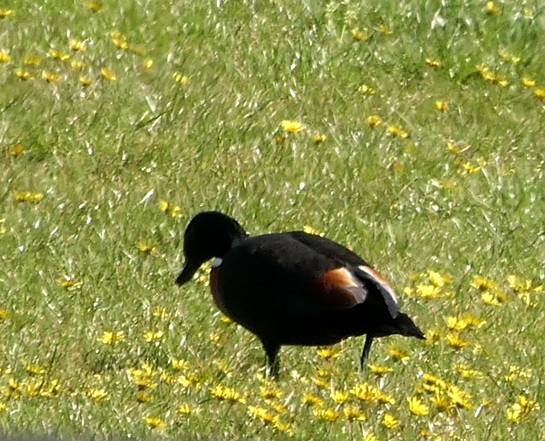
{"x": 336, "y": 289}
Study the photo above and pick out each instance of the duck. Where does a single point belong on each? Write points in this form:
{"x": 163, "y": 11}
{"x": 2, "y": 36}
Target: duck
{"x": 292, "y": 288}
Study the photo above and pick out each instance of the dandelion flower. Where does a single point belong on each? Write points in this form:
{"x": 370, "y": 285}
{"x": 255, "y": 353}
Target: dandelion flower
{"x": 385, "y": 30}
{"x": 108, "y": 74}
{"x": 397, "y": 354}
{"x": 154, "y": 422}
{"x": 27, "y": 196}
{"x": 328, "y": 353}
{"x": 152, "y": 336}
{"x": 93, "y": 6}
{"x": 389, "y": 421}
{"x": 97, "y": 395}
{"x": 539, "y": 92}
{"x": 528, "y": 82}
{"x": 359, "y": 35}
{"x": 433, "y": 62}
{"x": 397, "y": 131}
{"x": 441, "y": 105}
{"x": 147, "y": 64}
{"x": 227, "y": 394}
{"x": 326, "y": 414}
{"x": 353, "y": 413}
{"x": 111, "y": 337}
{"x": 77, "y": 45}
{"x": 417, "y": 407}
{"x": 4, "y": 57}
{"x": 319, "y": 138}
{"x": 374, "y": 120}
{"x": 521, "y": 409}
{"x": 456, "y": 341}
{"x": 291, "y": 126}
{"x": 491, "y": 8}
{"x": 6, "y": 12}
{"x": 312, "y": 400}
{"x": 180, "y": 78}
{"x": 4, "y": 315}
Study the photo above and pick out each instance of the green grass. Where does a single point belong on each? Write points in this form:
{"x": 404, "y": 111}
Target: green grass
{"x": 104, "y": 155}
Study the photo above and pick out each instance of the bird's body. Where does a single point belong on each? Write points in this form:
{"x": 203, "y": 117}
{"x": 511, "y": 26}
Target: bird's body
{"x": 292, "y": 288}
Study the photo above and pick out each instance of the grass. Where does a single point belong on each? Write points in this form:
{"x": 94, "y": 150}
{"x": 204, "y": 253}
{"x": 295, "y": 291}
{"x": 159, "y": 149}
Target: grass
{"x": 121, "y": 121}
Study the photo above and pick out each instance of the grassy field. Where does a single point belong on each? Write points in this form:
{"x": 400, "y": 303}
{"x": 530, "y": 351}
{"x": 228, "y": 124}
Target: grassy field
{"x": 410, "y": 131}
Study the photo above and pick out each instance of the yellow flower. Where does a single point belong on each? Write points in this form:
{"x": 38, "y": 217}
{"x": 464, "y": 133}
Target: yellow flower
{"x": 227, "y": 394}
{"x": 465, "y": 371}
{"x": 482, "y": 283}
{"x": 147, "y": 64}
{"x": 58, "y": 55}
{"x": 521, "y": 409}
{"x": 111, "y": 337}
{"x": 442, "y": 403}
{"x": 3, "y": 407}
{"x": 119, "y": 40}
{"x": 364, "y": 89}
{"x": 4, "y": 315}
{"x": 291, "y": 126}
{"x": 27, "y": 196}
{"x": 441, "y": 105}
{"x": 539, "y": 92}
{"x": 379, "y": 370}
{"x": 180, "y": 78}
{"x": 4, "y": 57}
{"x": 168, "y": 208}
{"x": 369, "y": 436}
{"x": 353, "y": 413}
{"x": 459, "y": 397}
{"x": 311, "y": 230}
{"x": 184, "y": 409}
{"x": 491, "y": 8}
{"x": 389, "y": 421}
{"x": 97, "y": 395}
{"x": 77, "y": 45}
{"x": 312, "y": 400}
{"x": 50, "y": 76}
{"x": 154, "y": 422}
{"x": 23, "y": 74}
{"x": 108, "y": 74}
{"x": 397, "y": 354}
{"x": 93, "y": 6}
{"x": 433, "y": 62}
{"x": 319, "y": 138}
{"x": 339, "y": 396}
{"x": 326, "y": 414}
{"x": 374, "y": 120}
{"x": 385, "y": 30}
{"x": 328, "y": 353}
{"x": 146, "y": 247}
{"x": 261, "y": 414}
{"x": 397, "y": 131}
{"x": 494, "y": 298}
{"x": 417, "y": 407}
{"x": 16, "y": 150}
{"x": 359, "y": 35}
{"x": 69, "y": 283}
{"x": 84, "y": 80}
{"x": 152, "y": 336}
{"x": 528, "y": 82}
{"x": 439, "y": 279}
{"x": 6, "y": 12}
{"x": 455, "y": 341}
{"x": 32, "y": 60}
{"x": 33, "y": 368}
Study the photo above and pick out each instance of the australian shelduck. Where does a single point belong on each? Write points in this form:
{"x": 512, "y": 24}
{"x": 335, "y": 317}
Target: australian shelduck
{"x": 292, "y": 288}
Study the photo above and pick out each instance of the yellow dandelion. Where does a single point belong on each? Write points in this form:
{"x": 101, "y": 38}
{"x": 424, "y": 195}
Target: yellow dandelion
{"x": 97, "y": 395}
{"x": 3, "y": 407}
{"x": 58, "y": 55}
{"x": 328, "y": 353}
{"x": 77, "y": 45}
{"x": 119, "y": 40}
{"x": 326, "y": 414}
{"x": 365, "y": 392}
{"x": 465, "y": 371}
{"x": 358, "y": 35}
{"x": 456, "y": 341}
{"x": 417, "y": 407}
{"x": 33, "y": 368}
{"x": 4, "y": 13}
{"x": 70, "y": 283}
{"x": 339, "y": 396}
{"x": 146, "y": 247}
{"x": 16, "y": 150}
{"x": 374, "y": 120}
{"x": 23, "y": 74}
{"x": 369, "y": 436}
{"x": 27, "y": 196}
{"x": 319, "y": 138}
{"x": 397, "y": 354}
{"x": 312, "y": 400}
{"x": 482, "y": 283}
{"x": 4, "y": 315}
{"x": 364, "y": 89}
{"x": 184, "y": 409}
{"x": 93, "y": 6}
{"x": 261, "y": 414}
{"x": 147, "y": 64}
{"x": 225, "y": 393}
{"x": 385, "y": 30}
{"x": 438, "y": 279}
{"x": 153, "y": 336}
{"x": 108, "y": 74}
{"x": 520, "y": 410}
{"x": 154, "y": 422}
{"x": 168, "y": 208}
{"x": 50, "y": 76}
{"x": 459, "y": 397}
{"x": 180, "y": 78}
{"x": 528, "y": 82}
{"x": 494, "y": 298}
{"x": 433, "y": 62}
{"x": 84, "y": 80}
{"x": 539, "y": 92}
{"x": 442, "y": 403}
{"x": 379, "y": 370}
{"x": 389, "y": 421}
{"x": 111, "y": 337}
{"x": 311, "y": 230}
{"x": 491, "y": 8}
{"x": 441, "y": 105}
{"x": 32, "y": 60}
{"x": 4, "y": 57}
{"x": 291, "y": 126}
{"x": 397, "y": 131}
{"x": 353, "y": 413}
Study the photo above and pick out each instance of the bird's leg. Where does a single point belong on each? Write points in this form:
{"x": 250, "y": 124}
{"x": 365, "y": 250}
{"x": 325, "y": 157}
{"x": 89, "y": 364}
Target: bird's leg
{"x": 271, "y": 349}
{"x": 366, "y": 349}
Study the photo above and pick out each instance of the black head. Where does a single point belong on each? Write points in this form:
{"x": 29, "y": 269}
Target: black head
{"x": 405, "y": 326}
{"x": 209, "y": 234}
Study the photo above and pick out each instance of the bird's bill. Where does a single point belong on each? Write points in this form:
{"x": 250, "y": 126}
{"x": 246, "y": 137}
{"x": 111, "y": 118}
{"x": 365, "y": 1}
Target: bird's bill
{"x": 186, "y": 274}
